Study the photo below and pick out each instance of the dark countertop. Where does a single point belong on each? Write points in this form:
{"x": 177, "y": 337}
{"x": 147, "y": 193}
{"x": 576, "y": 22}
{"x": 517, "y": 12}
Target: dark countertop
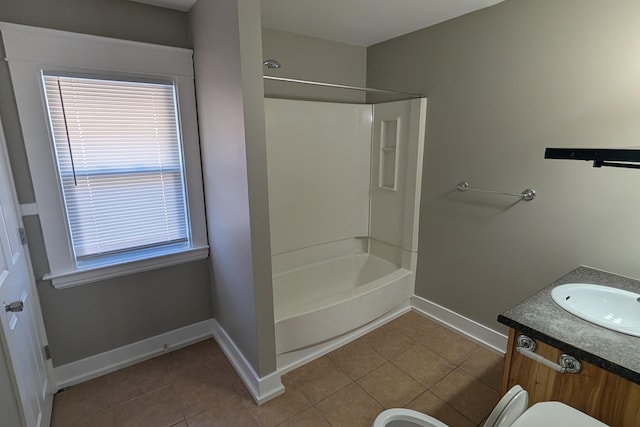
{"x": 542, "y": 319}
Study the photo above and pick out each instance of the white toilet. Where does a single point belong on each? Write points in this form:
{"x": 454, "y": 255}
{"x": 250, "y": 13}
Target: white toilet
{"x": 510, "y": 411}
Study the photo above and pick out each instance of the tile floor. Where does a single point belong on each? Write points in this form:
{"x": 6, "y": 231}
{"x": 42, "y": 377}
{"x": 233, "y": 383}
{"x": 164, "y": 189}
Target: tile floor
{"x": 410, "y": 362}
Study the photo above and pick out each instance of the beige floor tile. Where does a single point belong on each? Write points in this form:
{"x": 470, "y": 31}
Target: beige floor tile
{"x": 318, "y": 379}
{"x": 289, "y": 379}
{"x": 390, "y": 386}
{"x": 413, "y": 325}
{"x": 486, "y": 366}
{"x": 234, "y": 412}
{"x": 75, "y": 405}
{"x": 472, "y": 398}
{"x": 423, "y": 365}
{"x": 428, "y": 403}
{"x": 388, "y": 341}
{"x": 453, "y": 347}
{"x": 197, "y": 393}
{"x": 309, "y": 418}
{"x": 100, "y": 386}
{"x": 101, "y": 418}
{"x": 280, "y": 409}
{"x": 156, "y": 409}
{"x": 193, "y": 360}
{"x": 137, "y": 380}
{"x": 199, "y": 384}
{"x": 210, "y": 347}
{"x": 350, "y": 407}
{"x": 356, "y": 359}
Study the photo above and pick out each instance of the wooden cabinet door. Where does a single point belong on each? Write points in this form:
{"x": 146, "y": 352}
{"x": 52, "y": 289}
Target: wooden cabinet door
{"x": 594, "y": 391}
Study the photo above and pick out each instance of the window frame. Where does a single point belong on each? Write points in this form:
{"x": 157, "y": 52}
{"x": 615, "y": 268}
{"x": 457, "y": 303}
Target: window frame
{"x": 113, "y": 171}
{"x": 30, "y": 51}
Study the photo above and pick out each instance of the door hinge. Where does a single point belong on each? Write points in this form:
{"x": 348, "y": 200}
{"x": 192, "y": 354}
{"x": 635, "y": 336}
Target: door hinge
{"x": 47, "y": 352}
{"x": 23, "y": 236}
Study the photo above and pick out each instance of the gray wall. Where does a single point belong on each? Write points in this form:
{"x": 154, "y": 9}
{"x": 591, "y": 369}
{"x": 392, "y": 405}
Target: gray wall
{"x": 228, "y": 68}
{"x": 110, "y": 18}
{"x": 310, "y": 58}
{"x": 94, "y": 318}
{"x": 504, "y": 83}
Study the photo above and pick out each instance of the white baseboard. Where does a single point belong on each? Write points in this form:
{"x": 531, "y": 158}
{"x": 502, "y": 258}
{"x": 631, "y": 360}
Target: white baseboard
{"x": 294, "y": 359}
{"x": 261, "y": 388}
{"x": 481, "y": 334}
{"x": 112, "y": 360}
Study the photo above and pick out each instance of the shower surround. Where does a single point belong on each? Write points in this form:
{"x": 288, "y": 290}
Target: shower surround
{"x": 344, "y": 199}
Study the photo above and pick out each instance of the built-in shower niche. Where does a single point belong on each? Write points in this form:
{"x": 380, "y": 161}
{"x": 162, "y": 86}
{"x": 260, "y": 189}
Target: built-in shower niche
{"x": 388, "y": 167}
{"x": 344, "y": 197}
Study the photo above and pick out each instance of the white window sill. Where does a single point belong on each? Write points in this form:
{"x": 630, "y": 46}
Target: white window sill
{"x": 94, "y": 272}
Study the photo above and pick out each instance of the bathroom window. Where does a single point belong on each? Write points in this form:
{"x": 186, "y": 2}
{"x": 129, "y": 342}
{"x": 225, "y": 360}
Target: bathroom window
{"x": 119, "y": 163}
{"x": 110, "y": 131}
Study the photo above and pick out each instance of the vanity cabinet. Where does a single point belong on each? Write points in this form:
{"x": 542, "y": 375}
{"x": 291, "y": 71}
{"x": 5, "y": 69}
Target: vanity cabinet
{"x": 594, "y": 391}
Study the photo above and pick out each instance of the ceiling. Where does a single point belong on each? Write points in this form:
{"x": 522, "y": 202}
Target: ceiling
{"x": 362, "y": 22}
{"x": 358, "y": 22}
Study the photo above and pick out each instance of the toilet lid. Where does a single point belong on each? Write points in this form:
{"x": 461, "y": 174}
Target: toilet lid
{"x": 509, "y": 408}
{"x": 555, "y": 414}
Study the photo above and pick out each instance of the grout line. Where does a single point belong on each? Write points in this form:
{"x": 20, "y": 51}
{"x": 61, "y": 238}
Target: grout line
{"x": 362, "y": 376}
{"x": 479, "y": 379}
{"x": 371, "y": 396}
{"x": 450, "y": 405}
{"x": 326, "y": 397}
{"x": 322, "y": 415}
{"x": 114, "y": 405}
{"x": 251, "y": 414}
{"x": 209, "y": 407}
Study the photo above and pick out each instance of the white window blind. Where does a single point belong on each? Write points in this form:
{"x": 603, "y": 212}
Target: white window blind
{"x": 118, "y": 150}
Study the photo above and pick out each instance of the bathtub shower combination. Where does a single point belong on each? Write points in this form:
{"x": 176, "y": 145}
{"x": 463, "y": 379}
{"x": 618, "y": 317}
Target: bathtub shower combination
{"x": 344, "y": 198}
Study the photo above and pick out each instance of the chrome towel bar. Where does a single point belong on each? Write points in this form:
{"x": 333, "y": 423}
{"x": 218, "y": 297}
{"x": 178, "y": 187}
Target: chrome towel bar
{"x": 568, "y": 364}
{"x": 527, "y": 195}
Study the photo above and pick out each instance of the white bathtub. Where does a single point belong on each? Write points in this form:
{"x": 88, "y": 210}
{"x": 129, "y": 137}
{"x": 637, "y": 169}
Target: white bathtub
{"x": 317, "y": 302}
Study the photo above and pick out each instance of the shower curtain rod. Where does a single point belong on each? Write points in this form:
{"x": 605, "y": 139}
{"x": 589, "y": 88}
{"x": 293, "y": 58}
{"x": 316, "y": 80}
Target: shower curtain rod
{"x": 365, "y": 89}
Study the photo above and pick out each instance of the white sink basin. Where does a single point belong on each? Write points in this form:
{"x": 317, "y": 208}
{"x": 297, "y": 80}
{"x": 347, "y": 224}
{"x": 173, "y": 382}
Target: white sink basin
{"x": 610, "y": 308}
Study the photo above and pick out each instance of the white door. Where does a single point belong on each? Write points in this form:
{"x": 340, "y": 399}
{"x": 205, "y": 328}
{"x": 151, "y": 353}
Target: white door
{"x": 22, "y": 333}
